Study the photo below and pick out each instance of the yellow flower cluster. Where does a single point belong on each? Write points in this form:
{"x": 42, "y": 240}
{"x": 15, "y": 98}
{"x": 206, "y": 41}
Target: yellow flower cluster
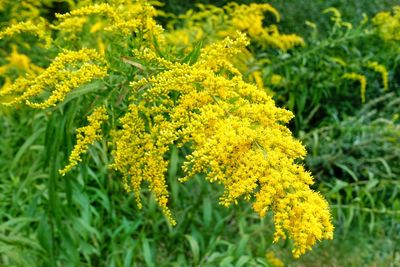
{"x": 361, "y": 79}
{"x": 257, "y": 78}
{"x": 273, "y": 260}
{"x": 236, "y": 136}
{"x": 382, "y": 71}
{"x": 69, "y": 70}
{"x": 19, "y": 63}
{"x": 124, "y": 17}
{"x": 216, "y": 56}
{"x": 388, "y": 24}
{"x": 249, "y": 19}
{"x": 139, "y": 156}
{"x": 338, "y": 60}
{"x": 284, "y": 42}
{"x": 214, "y": 23}
{"x": 71, "y": 26}
{"x": 85, "y": 136}
{"x": 37, "y": 29}
{"x": 276, "y": 79}
{"x": 337, "y": 18}
{"x": 185, "y": 37}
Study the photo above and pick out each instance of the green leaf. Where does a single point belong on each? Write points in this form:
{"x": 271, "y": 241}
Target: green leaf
{"x": 192, "y": 57}
{"x": 24, "y": 148}
{"x": 242, "y": 261}
{"x": 147, "y": 254}
{"x": 157, "y": 47}
{"x": 207, "y": 211}
{"x": 194, "y": 247}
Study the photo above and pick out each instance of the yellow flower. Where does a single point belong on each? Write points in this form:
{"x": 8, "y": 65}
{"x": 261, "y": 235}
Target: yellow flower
{"x": 71, "y": 26}
{"x": 337, "y": 18}
{"x": 276, "y": 79}
{"x": 338, "y": 60}
{"x": 257, "y": 76}
{"x": 249, "y": 19}
{"x": 37, "y": 29}
{"x": 85, "y": 136}
{"x": 382, "y": 71}
{"x": 237, "y": 138}
{"x": 361, "y": 79}
{"x": 20, "y": 63}
{"x": 59, "y": 78}
{"x": 213, "y": 23}
{"x": 217, "y": 56}
{"x": 388, "y": 24}
{"x": 336, "y": 15}
{"x": 273, "y": 260}
{"x": 139, "y": 158}
{"x": 123, "y": 18}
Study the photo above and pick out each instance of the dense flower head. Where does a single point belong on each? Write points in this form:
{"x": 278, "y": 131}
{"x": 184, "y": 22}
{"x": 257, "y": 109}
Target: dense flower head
{"x": 68, "y": 70}
{"x": 214, "y": 23}
{"x": 85, "y": 136}
{"x": 123, "y": 17}
{"x": 18, "y": 65}
{"x": 236, "y": 136}
{"x": 37, "y": 29}
{"x": 249, "y": 19}
{"x": 74, "y": 66}
{"x": 388, "y": 24}
{"x": 208, "y": 24}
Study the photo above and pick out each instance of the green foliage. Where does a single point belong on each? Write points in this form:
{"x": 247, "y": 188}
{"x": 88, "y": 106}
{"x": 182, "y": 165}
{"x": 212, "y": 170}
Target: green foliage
{"x": 295, "y": 15}
{"x": 359, "y": 169}
{"x": 314, "y": 87}
{"x": 354, "y": 249}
